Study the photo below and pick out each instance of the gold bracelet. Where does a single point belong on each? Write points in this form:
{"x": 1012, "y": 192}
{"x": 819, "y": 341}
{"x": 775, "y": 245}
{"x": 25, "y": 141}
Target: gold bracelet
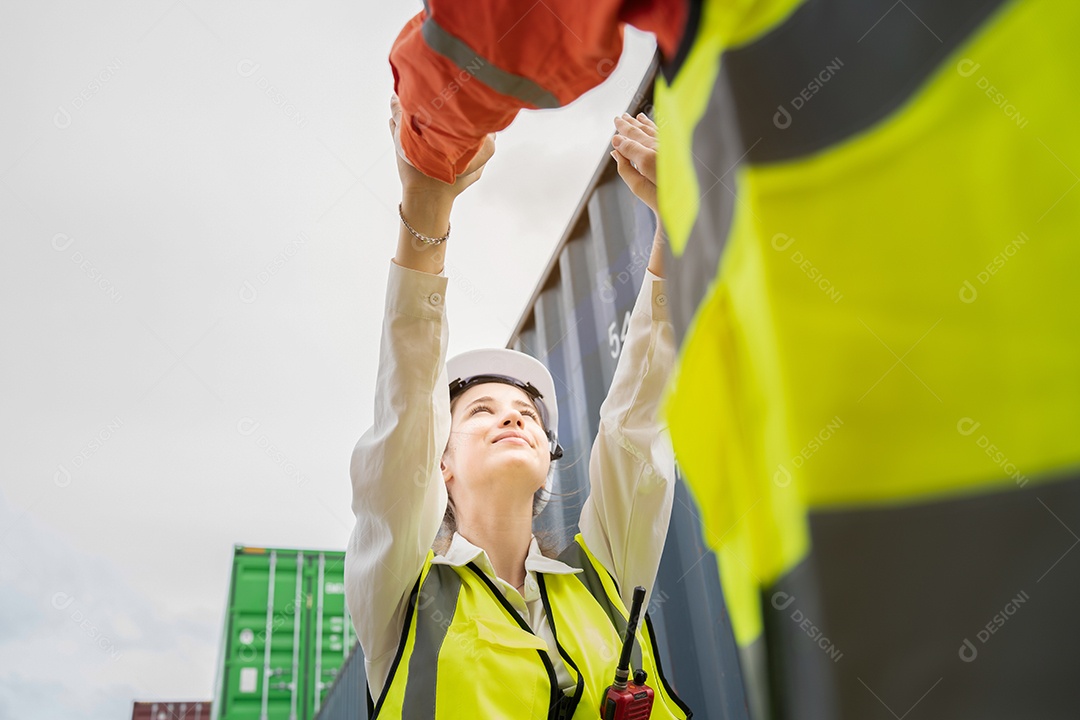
{"x": 420, "y": 236}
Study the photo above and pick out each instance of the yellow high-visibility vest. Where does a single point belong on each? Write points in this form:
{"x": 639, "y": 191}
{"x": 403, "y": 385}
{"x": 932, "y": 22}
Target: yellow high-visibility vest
{"x": 895, "y": 318}
{"x": 466, "y": 653}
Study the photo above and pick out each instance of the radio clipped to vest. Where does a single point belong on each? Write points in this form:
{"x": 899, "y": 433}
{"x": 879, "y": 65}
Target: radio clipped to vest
{"x": 629, "y": 700}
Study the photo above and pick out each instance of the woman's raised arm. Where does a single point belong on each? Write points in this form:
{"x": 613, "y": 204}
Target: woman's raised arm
{"x": 398, "y": 493}
{"x": 625, "y": 519}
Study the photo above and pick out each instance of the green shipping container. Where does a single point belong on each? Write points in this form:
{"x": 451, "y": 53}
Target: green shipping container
{"x": 286, "y": 634}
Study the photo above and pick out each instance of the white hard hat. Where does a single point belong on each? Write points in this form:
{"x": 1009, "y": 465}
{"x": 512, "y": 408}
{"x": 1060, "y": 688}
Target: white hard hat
{"x": 513, "y": 368}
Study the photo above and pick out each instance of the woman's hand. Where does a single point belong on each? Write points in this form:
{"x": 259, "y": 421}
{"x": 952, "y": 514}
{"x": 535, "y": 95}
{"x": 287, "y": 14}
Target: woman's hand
{"x": 635, "y": 146}
{"x": 416, "y": 183}
{"x": 426, "y": 202}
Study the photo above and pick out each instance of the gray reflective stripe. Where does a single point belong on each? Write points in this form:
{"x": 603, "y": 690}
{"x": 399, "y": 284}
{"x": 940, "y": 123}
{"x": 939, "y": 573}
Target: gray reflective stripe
{"x": 575, "y": 557}
{"x": 971, "y": 601}
{"x": 836, "y": 67}
{"x": 760, "y": 83}
{"x": 752, "y": 663}
{"x": 471, "y": 62}
{"x": 435, "y": 606}
{"x": 793, "y": 653}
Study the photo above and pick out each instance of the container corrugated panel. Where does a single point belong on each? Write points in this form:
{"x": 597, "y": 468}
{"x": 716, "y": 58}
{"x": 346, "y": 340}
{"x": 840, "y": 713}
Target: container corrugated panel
{"x": 286, "y": 634}
{"x": 347, "y": 699}
{"x": 575, "y": 324}
{"x": 171, "y": 710}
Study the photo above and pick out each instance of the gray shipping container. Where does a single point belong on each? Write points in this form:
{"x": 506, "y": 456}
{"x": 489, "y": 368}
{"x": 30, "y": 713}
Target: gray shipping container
{"x": 347, "y": 698}
{"x": 575, "y": 325}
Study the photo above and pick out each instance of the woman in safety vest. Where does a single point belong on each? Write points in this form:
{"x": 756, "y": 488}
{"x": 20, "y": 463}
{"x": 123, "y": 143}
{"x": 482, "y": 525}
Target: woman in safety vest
{"x": 458, "y": 610}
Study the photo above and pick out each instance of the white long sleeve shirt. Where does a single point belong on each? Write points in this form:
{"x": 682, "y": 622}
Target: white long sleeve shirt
{"x": 399, "y": 497}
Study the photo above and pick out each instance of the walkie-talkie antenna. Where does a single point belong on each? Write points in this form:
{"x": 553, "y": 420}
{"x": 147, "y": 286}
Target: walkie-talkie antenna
{"x": 622, "y": 672}
{"x": 624, "y": 700}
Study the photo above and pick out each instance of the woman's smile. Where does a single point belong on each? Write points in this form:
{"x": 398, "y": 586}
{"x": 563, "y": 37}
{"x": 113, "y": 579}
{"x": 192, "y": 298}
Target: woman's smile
{"x": 514, "y": 437}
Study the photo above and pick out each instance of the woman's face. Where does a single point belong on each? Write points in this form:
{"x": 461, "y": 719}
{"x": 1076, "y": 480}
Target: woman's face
{"x": 496, "y": 439}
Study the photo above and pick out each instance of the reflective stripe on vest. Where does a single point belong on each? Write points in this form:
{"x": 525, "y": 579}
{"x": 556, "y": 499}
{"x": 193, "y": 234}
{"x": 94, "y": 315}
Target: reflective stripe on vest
{"x": 887, "y": 325}
{"x": 436, "y": 601}
{"x": 575, "y": 556}
{"x": 601, "y": 585}
{"x": 465, "y": 651}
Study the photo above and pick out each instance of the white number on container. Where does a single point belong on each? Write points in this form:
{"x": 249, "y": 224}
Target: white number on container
{"x": 615, "y": 340}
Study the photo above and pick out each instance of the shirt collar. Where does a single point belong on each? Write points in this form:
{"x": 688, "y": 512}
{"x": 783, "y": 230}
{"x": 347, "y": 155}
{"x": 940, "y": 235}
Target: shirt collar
{"x": 462, "y": 552}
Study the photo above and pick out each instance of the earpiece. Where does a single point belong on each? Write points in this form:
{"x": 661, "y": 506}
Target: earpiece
{"x": 556, "y": 449}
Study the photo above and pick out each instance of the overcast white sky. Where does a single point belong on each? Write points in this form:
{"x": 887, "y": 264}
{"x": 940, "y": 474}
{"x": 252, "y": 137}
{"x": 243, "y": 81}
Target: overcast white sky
{"x": 200, "y": 205}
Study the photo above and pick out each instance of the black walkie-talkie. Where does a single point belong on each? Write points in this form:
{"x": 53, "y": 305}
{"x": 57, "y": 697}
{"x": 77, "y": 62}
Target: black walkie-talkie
{"x": 628, "y": 700}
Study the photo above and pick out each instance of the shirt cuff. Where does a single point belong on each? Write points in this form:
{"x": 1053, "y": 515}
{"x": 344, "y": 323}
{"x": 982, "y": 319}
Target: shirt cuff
{"x": 652, "y": 300}
{"x": 415, "y": 293}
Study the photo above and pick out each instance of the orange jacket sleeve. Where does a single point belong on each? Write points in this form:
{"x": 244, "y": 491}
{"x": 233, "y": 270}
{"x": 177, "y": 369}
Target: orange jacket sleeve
{"x": 464, "y": 69}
